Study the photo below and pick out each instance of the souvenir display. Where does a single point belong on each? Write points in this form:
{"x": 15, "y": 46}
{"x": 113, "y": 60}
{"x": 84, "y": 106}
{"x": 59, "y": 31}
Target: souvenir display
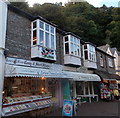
{"x": 10, "y": 107}
{"x": 25, "y": 94}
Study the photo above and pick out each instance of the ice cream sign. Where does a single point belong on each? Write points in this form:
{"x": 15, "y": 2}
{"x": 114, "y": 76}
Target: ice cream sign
{"x": 68, "y": 108}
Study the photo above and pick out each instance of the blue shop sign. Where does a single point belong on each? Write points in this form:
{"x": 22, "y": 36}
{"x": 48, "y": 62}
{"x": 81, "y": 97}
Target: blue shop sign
{"x": 67, "y": 107}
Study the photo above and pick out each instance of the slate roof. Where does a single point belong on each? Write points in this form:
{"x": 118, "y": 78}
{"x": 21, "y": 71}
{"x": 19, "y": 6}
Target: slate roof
{"x": 104, "y": 47}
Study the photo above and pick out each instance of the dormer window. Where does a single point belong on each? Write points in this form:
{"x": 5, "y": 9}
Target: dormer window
{"x": 72, "y": 45}
{"x": 44, "y": 36}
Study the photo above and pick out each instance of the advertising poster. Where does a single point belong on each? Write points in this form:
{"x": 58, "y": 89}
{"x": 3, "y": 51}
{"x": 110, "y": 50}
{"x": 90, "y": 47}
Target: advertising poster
{"x": 67, "y": 107}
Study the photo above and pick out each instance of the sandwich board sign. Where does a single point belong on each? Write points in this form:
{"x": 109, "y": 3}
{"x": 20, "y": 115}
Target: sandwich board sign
{"x": 68, "y": 108}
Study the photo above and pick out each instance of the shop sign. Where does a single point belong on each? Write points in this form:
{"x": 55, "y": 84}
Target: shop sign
{"x": 67, "y": 107}
{"x": 21, "y": 62}
{"x": 12, "y": 70}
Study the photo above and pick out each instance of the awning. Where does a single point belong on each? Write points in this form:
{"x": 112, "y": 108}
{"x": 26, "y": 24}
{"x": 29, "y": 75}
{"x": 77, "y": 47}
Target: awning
{"x": 107, "y": 76}
{"x": 85, "y": 77}
{"x": 22, "y": 71}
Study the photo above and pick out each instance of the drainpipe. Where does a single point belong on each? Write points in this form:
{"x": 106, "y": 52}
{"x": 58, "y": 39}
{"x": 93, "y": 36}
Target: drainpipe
{"x": 3, "y": 22}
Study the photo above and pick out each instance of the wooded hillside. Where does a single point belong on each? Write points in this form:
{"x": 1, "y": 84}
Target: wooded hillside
{"x": 97, "y": 25}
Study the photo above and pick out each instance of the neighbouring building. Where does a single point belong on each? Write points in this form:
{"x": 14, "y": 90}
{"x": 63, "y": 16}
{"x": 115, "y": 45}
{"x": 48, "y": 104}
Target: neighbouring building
{"x": 106, "y": 68}
{"x": 116, "y": 54}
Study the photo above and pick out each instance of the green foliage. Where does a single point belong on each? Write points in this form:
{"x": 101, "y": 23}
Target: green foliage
{"x": 22, "y": 5}
{"x": 97, "y": 25}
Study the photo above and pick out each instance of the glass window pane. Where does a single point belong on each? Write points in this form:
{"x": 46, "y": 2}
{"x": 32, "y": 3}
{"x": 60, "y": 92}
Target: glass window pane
{"x": 72, "y": 48}
{"x": 85, "y": 46}
{"x": 47, "y": 39}
{"x": 86, "y": 54}
{"x": 52, "y": 30}
{"x": 41, "y": 25}
{"x": 34, "y": 37}
{"x": 75, "y": 40}
{"x": 66, "y": 48}
{"x": 71, "y": 38}
{"x": 75, "y": 46}
{"x": 52, "y": 41}
{"x": 47, "y": 27}
{"x": 90, "y": 56}
{"x": 66, "y": 38}
{"x": 78, "y": 41}
{"x": 34, "y": 25}
{"x": 78, "y": 50}
{"x": 41, "y": 37}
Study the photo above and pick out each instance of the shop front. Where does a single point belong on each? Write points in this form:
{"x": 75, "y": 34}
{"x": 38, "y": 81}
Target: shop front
{"x": 33, "y": 86}
{"x": 84, "y": 87}
{"x": 108, "y": 84}
{"x": 37, "y": 86}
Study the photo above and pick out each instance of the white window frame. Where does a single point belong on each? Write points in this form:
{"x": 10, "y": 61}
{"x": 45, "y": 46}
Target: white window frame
{"x": 76, "y": 44}
{"x": 44, "y": 31}
{"x": 91, "y": 51}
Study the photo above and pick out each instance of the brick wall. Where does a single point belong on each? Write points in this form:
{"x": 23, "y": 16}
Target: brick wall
{"x": 60, "y": 50}
{"x": 18, "y": 39}
{"x": 105, "y": 66}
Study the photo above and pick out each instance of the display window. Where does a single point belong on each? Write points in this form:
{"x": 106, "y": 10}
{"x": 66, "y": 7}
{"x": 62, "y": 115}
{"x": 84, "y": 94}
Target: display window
{"x": 22, "y": 94}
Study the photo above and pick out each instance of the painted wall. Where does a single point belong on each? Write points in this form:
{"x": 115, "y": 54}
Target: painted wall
{"x": 3, "y": 19}
{"x": 65, "y": 89}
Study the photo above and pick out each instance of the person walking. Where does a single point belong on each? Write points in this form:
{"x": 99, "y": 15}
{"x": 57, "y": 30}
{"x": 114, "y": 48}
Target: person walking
{"x": 116, "y": 94}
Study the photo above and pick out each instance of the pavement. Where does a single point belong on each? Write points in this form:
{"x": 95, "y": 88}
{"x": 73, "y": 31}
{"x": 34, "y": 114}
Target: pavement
{"x": 99, "y": 109}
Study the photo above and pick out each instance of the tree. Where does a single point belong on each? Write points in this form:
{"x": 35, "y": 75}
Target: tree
{"x": 21, "y": 5}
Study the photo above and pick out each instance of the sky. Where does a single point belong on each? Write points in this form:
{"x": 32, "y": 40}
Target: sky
{"x": 96, "y": 3}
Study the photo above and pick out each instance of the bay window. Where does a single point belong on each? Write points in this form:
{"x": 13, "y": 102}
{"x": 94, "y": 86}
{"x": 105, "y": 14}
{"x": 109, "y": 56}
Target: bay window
{"x": 72, "y": 50}
{"x": 72, "y": 45}
{"x": 89, "y": 53}
{"x": 43, "y": 41}
{"x": 43, "y": 34}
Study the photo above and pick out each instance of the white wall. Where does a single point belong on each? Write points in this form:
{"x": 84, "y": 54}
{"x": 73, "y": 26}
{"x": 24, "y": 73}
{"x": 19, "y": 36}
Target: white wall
{"x": 3, "y": 20}
{"x": 68, "y": 59}
{"x": 90, "y": 64}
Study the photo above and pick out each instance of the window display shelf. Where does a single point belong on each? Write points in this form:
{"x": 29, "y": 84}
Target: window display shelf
{"x": 12, "y": 101}
{"x": 13, "y": 109}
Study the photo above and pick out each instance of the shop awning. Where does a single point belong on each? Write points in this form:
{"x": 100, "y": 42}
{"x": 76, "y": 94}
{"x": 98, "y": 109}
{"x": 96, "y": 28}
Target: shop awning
{"x": 85, "y": 77}
{"x": 107, "y": 76}
{"x": 22, "y": 71}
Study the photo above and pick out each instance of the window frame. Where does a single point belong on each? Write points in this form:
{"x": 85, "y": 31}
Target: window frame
{"x": 91, "y": 52}
{"x": 77, "y": 46}
{"x": 38, "y": 29}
